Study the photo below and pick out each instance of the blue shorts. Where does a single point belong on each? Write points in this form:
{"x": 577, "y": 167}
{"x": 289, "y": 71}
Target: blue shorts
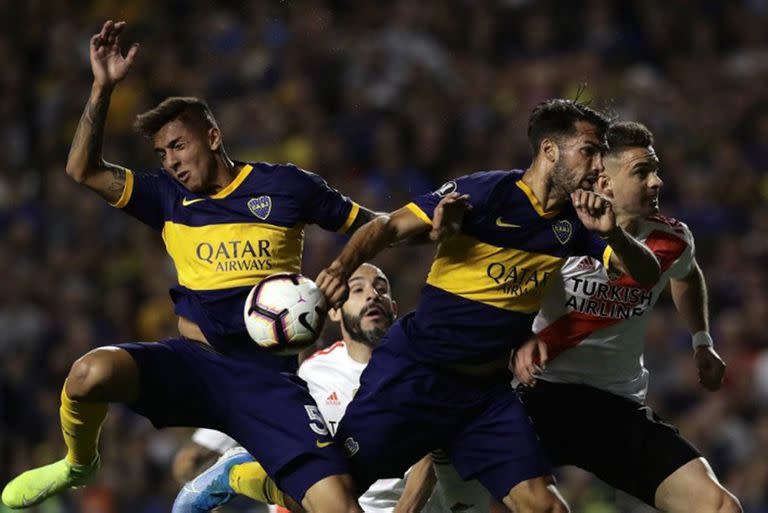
{"x": 269, "y": 412}
{"x": 404, "y": 409}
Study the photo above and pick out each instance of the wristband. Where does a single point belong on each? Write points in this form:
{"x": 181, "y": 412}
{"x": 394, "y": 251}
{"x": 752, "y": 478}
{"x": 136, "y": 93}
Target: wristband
{"x": 701, "y": 339}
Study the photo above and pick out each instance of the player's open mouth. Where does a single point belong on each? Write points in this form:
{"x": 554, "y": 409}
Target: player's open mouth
{"x": 182, "y": 177}
{"x": 373, "y": 313}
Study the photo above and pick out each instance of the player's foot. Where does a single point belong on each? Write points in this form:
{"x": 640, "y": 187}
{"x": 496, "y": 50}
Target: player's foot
{"x": 211, "y": 488}
{"x": 34, "y": 486}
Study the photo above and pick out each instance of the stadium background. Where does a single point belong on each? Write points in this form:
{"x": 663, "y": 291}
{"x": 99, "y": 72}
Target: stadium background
{"x": 385, "y": 100}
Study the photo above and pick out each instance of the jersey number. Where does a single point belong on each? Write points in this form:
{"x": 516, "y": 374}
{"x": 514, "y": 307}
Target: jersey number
{"x": 316, "y": 421}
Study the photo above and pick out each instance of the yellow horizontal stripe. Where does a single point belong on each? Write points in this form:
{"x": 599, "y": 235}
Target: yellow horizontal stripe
{"x": 506, "y": 278}
{"x": 242, "y": 175}
{"x": 413, "y": 207}
{"x": 535, "y": 201}
{"x": 607, "y": 252}
{"x": 350, "y": 218}
{"x": 221, "y": 256}
{"x": 125, "y": 197}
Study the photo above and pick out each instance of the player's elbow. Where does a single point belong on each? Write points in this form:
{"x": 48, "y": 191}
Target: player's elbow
{"x": 386, "y": 226}
{"x": 76, "y": 172}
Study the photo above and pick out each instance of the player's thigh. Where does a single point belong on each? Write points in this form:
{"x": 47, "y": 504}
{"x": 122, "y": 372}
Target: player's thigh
{"x": 694, "y": 487}
{"x": 499, "y": 446}
{"x": 333, "y": 494}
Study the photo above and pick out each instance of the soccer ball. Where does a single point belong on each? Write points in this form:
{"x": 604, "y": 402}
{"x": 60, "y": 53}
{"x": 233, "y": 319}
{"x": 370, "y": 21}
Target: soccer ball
{"x": 285, "y": 313}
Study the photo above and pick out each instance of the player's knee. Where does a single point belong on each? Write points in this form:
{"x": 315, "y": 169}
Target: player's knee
{"x": 724, "y": 502}
{"x": 92, "y": 376}
{"x": 714, "y": 499}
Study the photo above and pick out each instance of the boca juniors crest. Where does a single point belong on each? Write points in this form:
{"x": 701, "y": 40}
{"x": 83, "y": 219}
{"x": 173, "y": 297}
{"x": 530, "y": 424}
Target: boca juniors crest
{"x": 260, "y": 207}
{"x": 563, "y": 230}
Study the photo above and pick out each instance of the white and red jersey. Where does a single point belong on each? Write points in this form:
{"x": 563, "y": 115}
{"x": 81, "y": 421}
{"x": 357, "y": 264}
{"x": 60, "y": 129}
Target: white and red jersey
{"x": 604, "y": 318}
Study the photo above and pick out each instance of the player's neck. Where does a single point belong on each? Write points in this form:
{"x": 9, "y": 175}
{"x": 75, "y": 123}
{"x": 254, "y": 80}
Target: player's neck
{"x": 539, "y": 181}
{"x": 359, "y": 352}
{"x": 629, "y": 222}
{"x": 226, "y": 171}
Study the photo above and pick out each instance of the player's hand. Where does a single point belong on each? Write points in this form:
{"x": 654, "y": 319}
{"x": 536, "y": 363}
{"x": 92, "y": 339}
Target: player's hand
{"x": 594, "y": 211}
{"x": 529, "y": 361}
{"x": 107, "y": 62}
{"x": 711, "y": 367}
{"x": 332, "y": 281}
{"x": 448, "y": 216}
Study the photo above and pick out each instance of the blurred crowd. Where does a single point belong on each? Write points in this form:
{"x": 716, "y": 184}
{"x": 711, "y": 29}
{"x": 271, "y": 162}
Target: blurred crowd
{"x": 385, "y": 100}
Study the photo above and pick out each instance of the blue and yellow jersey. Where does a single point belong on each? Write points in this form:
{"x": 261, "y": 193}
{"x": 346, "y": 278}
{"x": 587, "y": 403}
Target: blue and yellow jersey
{"x": 486, "y": 283}
{"x": 224, "y": 244}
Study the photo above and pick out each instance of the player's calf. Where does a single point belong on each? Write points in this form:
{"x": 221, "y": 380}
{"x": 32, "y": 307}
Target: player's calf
{"x": 537, "y": 495}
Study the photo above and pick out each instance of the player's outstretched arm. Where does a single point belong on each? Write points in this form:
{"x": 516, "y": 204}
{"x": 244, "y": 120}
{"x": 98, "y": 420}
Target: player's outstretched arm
{"x": 629, "y": 254}
{"x": 85, "y": 164}
{"x": 366, "y": 243}
{"x": 419, "y": 485}
{"x": 690, "y": 297}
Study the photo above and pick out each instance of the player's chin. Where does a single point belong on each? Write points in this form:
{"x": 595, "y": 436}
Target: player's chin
{"x": 370, "y": 322}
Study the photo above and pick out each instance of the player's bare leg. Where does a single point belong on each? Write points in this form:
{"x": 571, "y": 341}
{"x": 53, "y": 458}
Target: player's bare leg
{"x": 537, "y": 495}
{"x": 333, "y": 494}
{"x": 694, "y": 487}
{"x": 102, "y": 376}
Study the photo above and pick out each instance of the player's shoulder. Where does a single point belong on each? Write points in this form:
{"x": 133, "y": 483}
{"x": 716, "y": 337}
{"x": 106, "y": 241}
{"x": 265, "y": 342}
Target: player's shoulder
{"x": 324, "y": 364}
{"x": 482, "y": 183}
{"x": 157, "y": 178}
{"x": 289, "y": 176}
{"x": 153, "y": 173}
{"x": 326, "y": 355}
{"x": 493, "y": 176}
{"x": 670, "y": 226}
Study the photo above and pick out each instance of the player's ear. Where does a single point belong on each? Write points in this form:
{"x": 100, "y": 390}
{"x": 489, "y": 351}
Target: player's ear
{"x": 394, "y": 308}
{"x": 549, "y": 150}
{"x": 214, "y": 138}
{"x": 604, "y": 185}
{"x": 334, "y": 314}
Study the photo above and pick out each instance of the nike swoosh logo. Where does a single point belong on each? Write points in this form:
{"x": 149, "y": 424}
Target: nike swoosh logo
{"x": 34, "y": 500}
{"x": 304, "y": 322}
{"x": 502, "y": 224}
{"x": 320, "y": 444}
{"x": 185, "y": 202}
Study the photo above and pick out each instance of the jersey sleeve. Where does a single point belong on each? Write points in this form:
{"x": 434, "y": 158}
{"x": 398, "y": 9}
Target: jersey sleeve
{"x": 479, "y": 186}
{"x": 321, "y": 204}
{"x": 683, "y": 265}
{"x": 145, "y": 197}
{"x": 588, "y": 243}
